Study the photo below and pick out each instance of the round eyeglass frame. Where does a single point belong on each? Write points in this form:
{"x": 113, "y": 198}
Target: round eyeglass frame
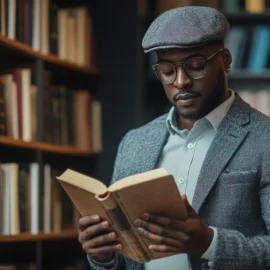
{"x": 182, "y": 64}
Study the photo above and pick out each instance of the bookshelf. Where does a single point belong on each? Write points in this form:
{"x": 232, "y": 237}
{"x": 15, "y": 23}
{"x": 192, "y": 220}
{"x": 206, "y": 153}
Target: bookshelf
{"x": 27, "y": 51}
{"x": 45, "y": 147}
{"x": 50, "y": 147}
{"x": 244, "y": 17}
{"x": 23, "y": 237}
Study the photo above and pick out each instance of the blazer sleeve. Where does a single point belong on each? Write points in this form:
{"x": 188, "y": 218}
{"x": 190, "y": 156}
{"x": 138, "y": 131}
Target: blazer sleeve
{"x": 118, "y": 263}
{"x": 234, "y": 251}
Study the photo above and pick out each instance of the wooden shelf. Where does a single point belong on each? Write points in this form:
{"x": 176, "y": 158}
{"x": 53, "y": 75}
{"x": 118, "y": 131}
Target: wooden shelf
{"x": 24, "y": 49}
{"x": 234, "y": 17}
{"x": 233, "y": 75}
{"x": 245, "y": 17}
{"x": 46, "y": 147}
{"x": 247, "y": 75}
{"x": 37, "y": 237}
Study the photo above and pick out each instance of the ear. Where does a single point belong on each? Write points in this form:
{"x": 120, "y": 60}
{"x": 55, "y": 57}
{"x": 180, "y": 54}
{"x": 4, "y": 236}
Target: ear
{"x": 227, "y": 58}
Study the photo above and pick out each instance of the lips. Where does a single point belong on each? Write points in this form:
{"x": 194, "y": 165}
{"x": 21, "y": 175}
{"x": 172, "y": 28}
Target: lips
{"x": 186, "y": 99}
{"x": 185, "y": 96}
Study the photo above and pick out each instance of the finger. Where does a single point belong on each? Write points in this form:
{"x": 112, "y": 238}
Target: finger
{"x": 180, "y": 225}
{"x": 160, "y": 230}
{"x": 86, "y": 221}
{"x": 160, "y": 239}
{"x": 157, "y": 219}
{"x": 101, "y": 250}
{"x": 190, "y": 210}
{"x": 165, "y": 221}
{"x": 93, "y": 231}
{"x": 164, "y": 248}
{"x": 101, "y": 240}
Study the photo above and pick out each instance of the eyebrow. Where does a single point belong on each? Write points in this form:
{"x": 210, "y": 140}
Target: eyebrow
{"x": 190, "y": 56}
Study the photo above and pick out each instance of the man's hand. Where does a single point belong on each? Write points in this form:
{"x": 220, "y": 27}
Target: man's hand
{"x": 97, "y": 238}
{"x": 191, "y": 236}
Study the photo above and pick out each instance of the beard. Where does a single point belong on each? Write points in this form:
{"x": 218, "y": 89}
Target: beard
{"x": 213, "y": 100}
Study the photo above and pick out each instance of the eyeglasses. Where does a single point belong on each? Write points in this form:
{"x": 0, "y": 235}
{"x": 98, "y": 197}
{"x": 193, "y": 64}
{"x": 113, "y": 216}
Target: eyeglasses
{"x": 195, "y": 67}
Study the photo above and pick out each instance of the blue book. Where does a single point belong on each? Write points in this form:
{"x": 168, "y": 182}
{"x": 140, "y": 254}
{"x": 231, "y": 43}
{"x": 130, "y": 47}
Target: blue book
{"x": 231, "y": 6}
{"x": 259, "y": 50}
{"x": 236, "y": 42}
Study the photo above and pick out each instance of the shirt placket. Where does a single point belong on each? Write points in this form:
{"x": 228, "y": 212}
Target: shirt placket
{"x": 184, "y": 168}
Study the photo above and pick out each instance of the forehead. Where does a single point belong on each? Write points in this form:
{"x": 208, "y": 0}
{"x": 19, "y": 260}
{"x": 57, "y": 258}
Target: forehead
{"x": 180, "y": 54}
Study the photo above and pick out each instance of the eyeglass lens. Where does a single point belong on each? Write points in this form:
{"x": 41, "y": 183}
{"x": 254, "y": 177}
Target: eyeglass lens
{"x": 195, "y": 68}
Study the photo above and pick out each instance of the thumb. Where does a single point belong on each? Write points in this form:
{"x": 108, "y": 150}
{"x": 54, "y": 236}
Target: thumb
{"x": 190, "y": 210}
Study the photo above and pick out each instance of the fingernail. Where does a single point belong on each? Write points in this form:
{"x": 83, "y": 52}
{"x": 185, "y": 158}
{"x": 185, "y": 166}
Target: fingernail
{"x": 151, "y": 247}
{"x": 118, "y": 246}
{"x": 112, "y": 235}
{"x": 105, "y": 224}
{"x": 95, "y": 218}
{"x": 140, "y": 230}
{"x": 146, "y": 216}
{"x": 137, "y": 222}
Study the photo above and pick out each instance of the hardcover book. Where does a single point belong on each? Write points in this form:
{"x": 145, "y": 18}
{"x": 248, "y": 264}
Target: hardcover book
{"x": 124, "y": 201}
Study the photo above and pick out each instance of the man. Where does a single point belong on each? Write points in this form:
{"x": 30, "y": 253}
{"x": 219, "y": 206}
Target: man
{"x": 212, "y": 142}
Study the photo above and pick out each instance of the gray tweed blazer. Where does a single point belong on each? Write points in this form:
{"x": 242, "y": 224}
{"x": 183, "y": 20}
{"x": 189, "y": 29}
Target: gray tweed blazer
{"x": 233, "y": 189}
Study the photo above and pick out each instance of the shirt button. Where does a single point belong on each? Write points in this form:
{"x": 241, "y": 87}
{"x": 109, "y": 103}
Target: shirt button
{"x": 181, "y": 180}
{"x": 190, "y": 145}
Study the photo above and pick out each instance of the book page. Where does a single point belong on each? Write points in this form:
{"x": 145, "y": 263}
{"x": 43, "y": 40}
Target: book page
{"x": 83, "y": 181}
{"x": 138, "y": 178}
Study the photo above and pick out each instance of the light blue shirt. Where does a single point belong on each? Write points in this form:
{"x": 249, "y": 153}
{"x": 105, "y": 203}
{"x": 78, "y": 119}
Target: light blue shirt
{"x": 183, "y": 156}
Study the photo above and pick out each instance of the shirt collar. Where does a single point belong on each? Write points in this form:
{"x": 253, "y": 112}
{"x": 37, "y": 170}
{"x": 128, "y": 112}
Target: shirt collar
{"x": 215, "y": 117}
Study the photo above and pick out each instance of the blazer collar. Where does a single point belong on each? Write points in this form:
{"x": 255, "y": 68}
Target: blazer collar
{"x": 239, "y": 112}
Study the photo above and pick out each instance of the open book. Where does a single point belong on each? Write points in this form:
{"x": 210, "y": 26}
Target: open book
{"x": 124, "y": 201}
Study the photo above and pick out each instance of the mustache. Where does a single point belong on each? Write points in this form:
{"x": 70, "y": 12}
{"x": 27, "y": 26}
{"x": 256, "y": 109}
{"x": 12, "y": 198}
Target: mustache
{"x": 185, "y": 92}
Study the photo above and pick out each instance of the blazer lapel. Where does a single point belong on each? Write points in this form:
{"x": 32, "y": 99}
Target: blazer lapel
{"x": 229, "y": 136}
{"x": 153, "y": 143}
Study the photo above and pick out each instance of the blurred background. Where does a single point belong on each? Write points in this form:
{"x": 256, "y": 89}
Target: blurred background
{"x": 73, "y": 80}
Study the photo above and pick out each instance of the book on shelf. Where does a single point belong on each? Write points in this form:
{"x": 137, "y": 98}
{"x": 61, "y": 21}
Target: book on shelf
{"x": 72, "y": 117}
{"x": 236, "y": 41}
{"x": 124, "y": 201}
{"x": 29, "y": 205}
{"x": 258, "y": 99}
{"x": 259, "y": 51}
{"x": 49, "y": 29}
{"x": 7, "y": 267}
{"x": 249, "y": 47}
{"x": 19, "y": 266}
{"x": 255, "y": 6}
{"x": 230, "y": 6}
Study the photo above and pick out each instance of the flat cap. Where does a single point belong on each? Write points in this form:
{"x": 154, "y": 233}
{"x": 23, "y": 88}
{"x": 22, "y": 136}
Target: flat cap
{"x": 185, "y": 27}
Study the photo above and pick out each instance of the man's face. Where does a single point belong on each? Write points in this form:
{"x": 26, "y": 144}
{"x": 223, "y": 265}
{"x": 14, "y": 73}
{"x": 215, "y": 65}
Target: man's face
{"x": 195, "y": 98}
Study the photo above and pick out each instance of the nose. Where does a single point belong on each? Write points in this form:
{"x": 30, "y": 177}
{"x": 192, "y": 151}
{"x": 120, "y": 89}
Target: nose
{"x": 182, "y": 80}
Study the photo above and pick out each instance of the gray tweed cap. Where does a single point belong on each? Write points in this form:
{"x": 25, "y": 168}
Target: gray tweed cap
{"x": 185, "y": 27}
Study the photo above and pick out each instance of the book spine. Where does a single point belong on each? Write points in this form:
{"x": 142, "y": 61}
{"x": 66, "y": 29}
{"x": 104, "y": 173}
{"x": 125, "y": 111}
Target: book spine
{"x": 125, "y": 229}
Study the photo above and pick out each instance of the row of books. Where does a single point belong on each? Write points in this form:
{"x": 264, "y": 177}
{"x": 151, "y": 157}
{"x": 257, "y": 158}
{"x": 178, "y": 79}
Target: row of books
{"x": 258, "y": 99}
{"x": 227, "y": 6}
{"x": 33, "y": 266}
{"x": 29, "y": 205}
{"x": 71, "y": 117}
{"x": 19, "y": 266}
{"x": 47, "y": 28}
{"x": 249, "y": 46}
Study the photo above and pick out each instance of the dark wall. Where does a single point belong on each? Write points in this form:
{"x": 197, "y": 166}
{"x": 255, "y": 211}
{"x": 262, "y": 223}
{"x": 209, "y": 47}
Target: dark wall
{"x": 119, "y": 86}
